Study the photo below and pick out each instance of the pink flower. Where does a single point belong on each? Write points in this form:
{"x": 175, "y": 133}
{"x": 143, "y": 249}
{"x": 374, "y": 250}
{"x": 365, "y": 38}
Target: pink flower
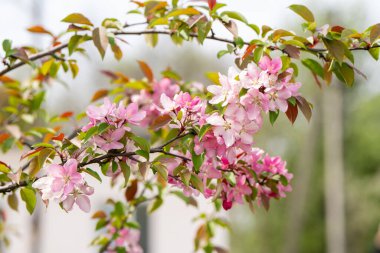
{"x": 129, "y": 239}
{"x": 65, "y": 177}
{"x": 110, "y": 139}
{"x": 225, "y": 127}
{"x": 79, "y": 197}
{"x": 229, "y": 90}
{"x": 130, "y": 114}
{"x": 185, "y": 101}
{"x": 271, "y": 66}
{"x": 279, "y": 99}
{"x": 249, "y": 77}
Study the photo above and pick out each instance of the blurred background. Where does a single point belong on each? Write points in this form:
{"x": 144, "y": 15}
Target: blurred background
{"x": 334, "y": 206}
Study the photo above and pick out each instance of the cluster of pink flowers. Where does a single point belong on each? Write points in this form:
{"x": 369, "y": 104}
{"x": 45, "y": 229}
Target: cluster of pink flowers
{"x": 65, "y": 185}
{"x": 116, "y": 116}
{"x": 127, "y": 239}
{"x": 227, "y": 146}
{"x": 149, "y": 100}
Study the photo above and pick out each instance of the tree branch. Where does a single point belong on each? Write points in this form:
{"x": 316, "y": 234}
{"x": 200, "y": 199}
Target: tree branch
{"x": 166, "y": 32}
{"x": 34, "y": 58}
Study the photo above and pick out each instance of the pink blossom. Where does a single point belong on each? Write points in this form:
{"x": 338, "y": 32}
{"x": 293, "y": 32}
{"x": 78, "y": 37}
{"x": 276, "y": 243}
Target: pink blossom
{"x": 279, "y": 99}
{"x": 130, "y": 114}
{"x": 271, "y": 66}
{"x": 229, "y": 90}
{"x": 110, "y": 139}
{"x": 66, "y": 177}
{"x": 249, "y": 77}
{"x": 79, "y": 197}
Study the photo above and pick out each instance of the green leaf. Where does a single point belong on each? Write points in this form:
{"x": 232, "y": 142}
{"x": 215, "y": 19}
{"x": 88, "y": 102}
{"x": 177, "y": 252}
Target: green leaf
{"x": 185, "y": 177}
{"x": 141, "y": 142}
{"x": 7, "y": 46}
{"x": 187, "y": 11}
{"x": 29, "y": 197}
{"x": 151, "y": 39}
{"x": 303, "y": 11}
{"x": 99, "y": 36}
{"x": 155, "y": 205}
{"x": 197, "y": 183}
{"x": 235, "y": 15}
{"x": 161, "y": 169}
{"x": 375, "y": 53}
{"x": 213, "y": 77}
{"x": 375, "y": 33}
{"x": 4, "y": 168}
{"x": 126, "y": 171}
{"x": 221, "y": 53}
{"x": 336, "y": 48}
{"x": 13, "y": 201}
{"x": 74, "y": 43}
{"x": 273, "y": 116}
{"x": 204, "y": 129}
{"x": 292, "y": 100}
{"x": 77, "y": 18}
{"x": 90, "y": 133}
{"x": 314, "y": 66}
{"x": 197, "y": 160}
{"x": 93, "y": 174}
{"x": 255, "y": 28}
{"x": 346, "y": 72}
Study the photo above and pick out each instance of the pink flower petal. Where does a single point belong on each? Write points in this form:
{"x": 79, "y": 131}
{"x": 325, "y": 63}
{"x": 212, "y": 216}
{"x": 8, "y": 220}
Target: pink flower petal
{"x": 84, "y": 203}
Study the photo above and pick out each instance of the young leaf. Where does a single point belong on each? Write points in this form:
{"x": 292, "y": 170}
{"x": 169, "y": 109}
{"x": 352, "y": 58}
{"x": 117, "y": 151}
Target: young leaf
{"x": 336, "y": 48}
{"x": 146, "y": 70}
{"x": 235, "y": 15}
{"x": 375, "y": 33}
{"x": 155, "y": 205}
{"x": 99, "y": 36}
{"x": 303, "y": 11}
{"x": 292, "y": 112}
{"x": 77, "y": 18}
{"x": 29, "y": 197}
{"x": 273, "y": 116}
{"x": 314, "y": 66}
{"x": 305, "y": 107}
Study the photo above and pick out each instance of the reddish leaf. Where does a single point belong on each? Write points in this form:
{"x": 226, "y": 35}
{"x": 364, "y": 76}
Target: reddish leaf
{"x": 39, "y": 29}
{"x": 292, "y": 112}
{"x": 66, "y": 114}
{"x": 147, "y": 70}
{"x": 160, "y": 121}
{"x": 58, "y": 137}
{"x": 109, "y": 74}
{"x": 292, "y": 51}
{"x": 337, "y": 29}
{"x": 31, "y": 152}
{"x": 99, "y": 215}
{"x": 4, "y": 137}
{"x": 99, "y": 94}
{"x": 305, "y": 107}
{"x": 6, "y": 79}
{"x": 211, "y": 4}
{"x": 248, "y": 51}
{"x": 131, "y": 191}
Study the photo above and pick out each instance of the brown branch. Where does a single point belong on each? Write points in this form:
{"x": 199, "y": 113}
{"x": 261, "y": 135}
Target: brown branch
{"x": 52, "y": 51}
{"x": 34, "y": 57}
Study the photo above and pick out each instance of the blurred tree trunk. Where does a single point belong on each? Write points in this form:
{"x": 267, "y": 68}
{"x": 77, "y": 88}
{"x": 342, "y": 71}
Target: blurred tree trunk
{"x": 301, "y": 188}
{"x": 334, "y": 169}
